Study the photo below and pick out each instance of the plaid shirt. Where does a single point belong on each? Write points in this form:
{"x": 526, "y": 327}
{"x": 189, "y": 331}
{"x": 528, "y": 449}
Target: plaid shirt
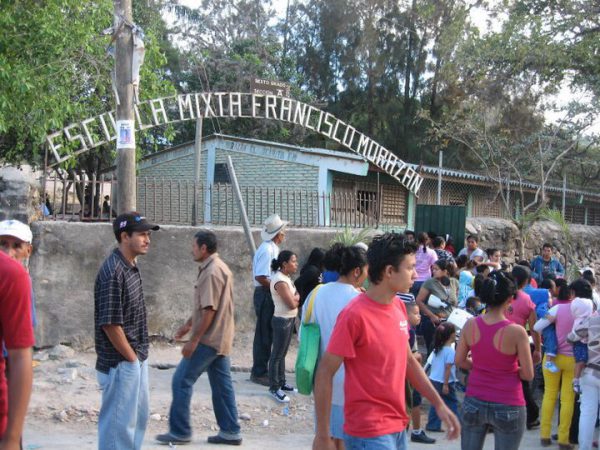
{"x": 119, "y": 300}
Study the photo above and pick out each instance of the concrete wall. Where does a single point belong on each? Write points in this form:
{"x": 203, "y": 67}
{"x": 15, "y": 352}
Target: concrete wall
{"x": 67, "y": 257}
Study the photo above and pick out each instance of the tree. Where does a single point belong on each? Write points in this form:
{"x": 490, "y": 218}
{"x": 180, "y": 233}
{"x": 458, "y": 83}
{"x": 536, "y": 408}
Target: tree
{"x": 54, "y": 69}
{"x": 225, "y": 43}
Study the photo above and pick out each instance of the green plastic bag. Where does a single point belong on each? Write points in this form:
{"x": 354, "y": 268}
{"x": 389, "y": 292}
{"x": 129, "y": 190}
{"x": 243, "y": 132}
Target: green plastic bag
{"x": 308, "y": 353}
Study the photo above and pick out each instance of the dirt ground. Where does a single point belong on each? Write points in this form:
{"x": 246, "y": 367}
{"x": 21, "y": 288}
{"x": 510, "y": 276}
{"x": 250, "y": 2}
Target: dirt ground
{"x": 63, "y": 411}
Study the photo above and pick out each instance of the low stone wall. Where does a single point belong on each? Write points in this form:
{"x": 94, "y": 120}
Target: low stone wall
{"x": 67, "y": 256}
{"x": 504, "y": 235}
{"x": 19, "y": 194}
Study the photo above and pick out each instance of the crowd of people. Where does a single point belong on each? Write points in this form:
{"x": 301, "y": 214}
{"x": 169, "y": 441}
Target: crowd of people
{"x": 512, "y": 317}
{"x": 481, "y": 322}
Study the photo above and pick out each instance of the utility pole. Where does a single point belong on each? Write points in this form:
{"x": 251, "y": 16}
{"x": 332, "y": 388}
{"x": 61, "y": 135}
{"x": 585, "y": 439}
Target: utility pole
{"x": 439, "y": 186}
{"x": 126, "y": 192}
{"x": 197, "y": 171}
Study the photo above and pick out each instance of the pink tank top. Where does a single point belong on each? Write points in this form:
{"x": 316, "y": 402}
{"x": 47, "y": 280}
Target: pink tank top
{"x": 495, "y": 376}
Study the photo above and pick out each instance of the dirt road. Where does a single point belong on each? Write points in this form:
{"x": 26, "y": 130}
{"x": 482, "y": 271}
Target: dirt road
{"x": 64, "y": 407}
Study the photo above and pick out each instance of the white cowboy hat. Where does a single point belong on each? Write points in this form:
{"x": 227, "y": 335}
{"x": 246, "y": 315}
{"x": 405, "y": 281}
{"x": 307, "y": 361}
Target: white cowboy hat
{"x": 273, "y": 225}
{"x": 16, "y": 229}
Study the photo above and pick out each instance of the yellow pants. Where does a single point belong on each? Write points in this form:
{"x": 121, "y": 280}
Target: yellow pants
{"x": 563, "y": 380}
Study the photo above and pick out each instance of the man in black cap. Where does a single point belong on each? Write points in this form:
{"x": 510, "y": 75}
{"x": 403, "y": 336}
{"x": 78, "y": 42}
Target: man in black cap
{"x": 121, "y": 337}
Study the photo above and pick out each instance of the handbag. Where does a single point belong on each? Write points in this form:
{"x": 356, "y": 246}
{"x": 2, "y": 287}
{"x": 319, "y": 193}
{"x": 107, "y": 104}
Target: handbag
{"x": 308, "y": 352}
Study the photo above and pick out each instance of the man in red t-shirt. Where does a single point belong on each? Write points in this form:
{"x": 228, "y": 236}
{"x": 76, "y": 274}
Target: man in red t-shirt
{"x": 371, "y": 339}
{"x": 16, "y": 331}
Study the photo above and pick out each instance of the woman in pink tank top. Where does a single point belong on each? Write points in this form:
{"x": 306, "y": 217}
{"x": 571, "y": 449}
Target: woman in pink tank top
{"x": 499, "y": 359}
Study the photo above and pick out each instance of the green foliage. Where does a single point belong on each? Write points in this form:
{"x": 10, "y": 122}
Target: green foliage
{"x": 349, "y": 237}
{"x": 54, "y": 70}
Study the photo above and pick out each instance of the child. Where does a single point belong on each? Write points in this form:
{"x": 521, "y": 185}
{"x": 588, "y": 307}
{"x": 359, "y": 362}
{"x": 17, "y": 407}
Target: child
{"x": 465, "y": 281}
{"x": 581, "y": 309}
{"x": 473, "y": 306}
{"x": 542, "y": 298}
{"x": 414, "y": 319}
{"x": 443, "y": 372}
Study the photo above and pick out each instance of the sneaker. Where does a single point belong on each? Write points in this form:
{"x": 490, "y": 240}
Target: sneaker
{"x": 533, "y": 425}
{"x": 220, "y": 440}
{"x": 280, "y": 396}
{"x": 168, "y": 439}
{"x": 551, "y": 367}
{"x": 287, "y": 388}
{"x": 421, "y": 438}
{"x": 576, "y": 386}
{"x": 263, "y": 381}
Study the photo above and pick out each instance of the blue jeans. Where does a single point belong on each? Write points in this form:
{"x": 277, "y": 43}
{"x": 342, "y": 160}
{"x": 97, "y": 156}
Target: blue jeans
{"x": 550, "y": 340}
{"x": 282, "y": 336}
{"x": 427, "y": 329}
{"x": 125, "y": 409}
{"x": 393, "y": 441}
{"x": 508, "y": 423}
{"x": 263, "y": 334}
{"x": 433, "y": 421}
{"x": 204, "y": 359}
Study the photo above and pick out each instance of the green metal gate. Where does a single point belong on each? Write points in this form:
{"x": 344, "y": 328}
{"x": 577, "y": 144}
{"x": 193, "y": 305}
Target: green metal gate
{"x": 443, "y": 220}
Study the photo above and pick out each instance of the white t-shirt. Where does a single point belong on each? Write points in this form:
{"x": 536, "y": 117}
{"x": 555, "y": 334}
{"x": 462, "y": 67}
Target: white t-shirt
{"x": 281, "y": 307}
{"x": 331, "y": 298}
{"x": 438, "y": 365}
{"x": 261, "y": 264}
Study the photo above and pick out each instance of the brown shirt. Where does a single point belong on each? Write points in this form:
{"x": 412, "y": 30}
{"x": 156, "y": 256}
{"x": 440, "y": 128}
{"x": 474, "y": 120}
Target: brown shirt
{"x": 214, "y": 290}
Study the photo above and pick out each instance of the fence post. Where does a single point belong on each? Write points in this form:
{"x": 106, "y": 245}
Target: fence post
{"x": 243, "y": 214}
{"x": 439, "y": 185}
{"x": 197, "y": 168}
{"x": 564, "y": 193}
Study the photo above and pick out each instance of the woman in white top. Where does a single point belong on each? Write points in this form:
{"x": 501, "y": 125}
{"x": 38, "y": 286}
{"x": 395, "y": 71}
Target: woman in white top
{"x": 329, "y": 301}
{"x": 286, "y": 300}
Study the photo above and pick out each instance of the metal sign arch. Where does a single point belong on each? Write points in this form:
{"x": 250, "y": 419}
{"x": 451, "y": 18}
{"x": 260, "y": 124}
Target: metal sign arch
{"x": 95, "y": 131}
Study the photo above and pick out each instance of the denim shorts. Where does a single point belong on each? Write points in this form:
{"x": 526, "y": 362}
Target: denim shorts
{"x": 393, "y": 441}
{"x": 580, "y": 352}
{"x": 336, "y": 422}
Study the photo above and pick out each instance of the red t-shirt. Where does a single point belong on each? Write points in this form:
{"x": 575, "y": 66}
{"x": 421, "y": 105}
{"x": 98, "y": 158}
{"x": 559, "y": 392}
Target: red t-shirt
{"x": 373, "y": 339}
{"x": 520, "y": 308}
{"x": 16, "y": 330}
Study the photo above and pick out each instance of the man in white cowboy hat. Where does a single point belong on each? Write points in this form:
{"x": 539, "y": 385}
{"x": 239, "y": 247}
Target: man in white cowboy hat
{"x": 273, "y": 234}
{"x": 16, "y": 330}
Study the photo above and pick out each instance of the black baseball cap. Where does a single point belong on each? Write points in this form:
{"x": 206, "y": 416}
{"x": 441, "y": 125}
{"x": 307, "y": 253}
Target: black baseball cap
{"x": 132, "y": 221}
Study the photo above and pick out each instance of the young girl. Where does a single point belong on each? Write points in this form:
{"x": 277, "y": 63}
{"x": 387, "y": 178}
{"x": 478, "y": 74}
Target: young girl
{"x": 465, "y": 280}
{"x": 443, "y": 372}
{"x": 286, "y": 300}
